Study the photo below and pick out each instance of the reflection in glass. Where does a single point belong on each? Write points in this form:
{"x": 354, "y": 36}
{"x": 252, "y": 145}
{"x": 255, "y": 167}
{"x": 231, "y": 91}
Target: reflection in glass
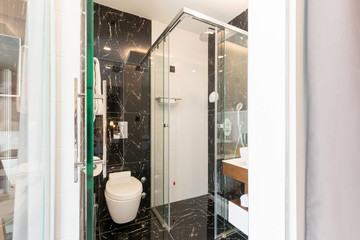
{"x": 25, "y": 155}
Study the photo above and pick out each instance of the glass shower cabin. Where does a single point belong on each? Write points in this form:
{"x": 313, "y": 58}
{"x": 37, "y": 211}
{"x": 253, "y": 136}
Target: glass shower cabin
{"x": 198, "y": 71}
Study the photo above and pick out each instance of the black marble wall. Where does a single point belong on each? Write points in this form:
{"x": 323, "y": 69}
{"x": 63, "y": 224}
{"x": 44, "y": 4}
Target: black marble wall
{"x": 229, "y": 188}
{"x": 128, "y": 99}
{"x": 241, "y": 21}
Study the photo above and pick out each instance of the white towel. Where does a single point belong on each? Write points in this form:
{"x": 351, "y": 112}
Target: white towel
{"x": 98, "y": 104}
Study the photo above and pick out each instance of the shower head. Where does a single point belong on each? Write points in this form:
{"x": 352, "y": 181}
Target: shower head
{"x": 134, "y": 58}
{"x": 239, "y": 106}
{"x": 204, "y": 36}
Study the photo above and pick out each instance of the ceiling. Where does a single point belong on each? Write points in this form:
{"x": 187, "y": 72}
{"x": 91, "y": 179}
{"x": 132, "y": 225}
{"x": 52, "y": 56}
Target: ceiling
{"x": 165, "y": 10}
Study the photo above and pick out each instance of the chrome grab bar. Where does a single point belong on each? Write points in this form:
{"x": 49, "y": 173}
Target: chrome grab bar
{"x": 80, "y": 165}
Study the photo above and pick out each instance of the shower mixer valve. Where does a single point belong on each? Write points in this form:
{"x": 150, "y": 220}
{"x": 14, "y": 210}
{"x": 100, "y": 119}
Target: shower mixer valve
{"x": 121, "y": 130}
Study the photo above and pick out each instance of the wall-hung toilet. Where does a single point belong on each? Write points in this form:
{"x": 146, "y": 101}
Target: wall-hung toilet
{"x": 123, "y": 195}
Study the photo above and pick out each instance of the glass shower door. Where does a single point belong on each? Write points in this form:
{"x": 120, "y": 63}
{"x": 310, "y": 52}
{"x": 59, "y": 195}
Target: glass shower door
{"x": 160, "y": 131}
{"x": 84, "y": 124}
{"x": 87, "y": 179}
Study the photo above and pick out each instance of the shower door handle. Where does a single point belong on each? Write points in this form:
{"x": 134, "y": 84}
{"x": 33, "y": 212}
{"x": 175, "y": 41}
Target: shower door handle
{"x": 77, "y": 164}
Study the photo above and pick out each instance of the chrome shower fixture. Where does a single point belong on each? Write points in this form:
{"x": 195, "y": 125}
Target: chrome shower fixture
{"x": 239, "y": 106}
{"x": 204, "y": 36}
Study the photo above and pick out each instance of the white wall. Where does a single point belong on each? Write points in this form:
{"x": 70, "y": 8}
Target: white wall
{"x": 267, "y": 119}
{"x": 188, "y": 118}
{"x": 296, "y": 158}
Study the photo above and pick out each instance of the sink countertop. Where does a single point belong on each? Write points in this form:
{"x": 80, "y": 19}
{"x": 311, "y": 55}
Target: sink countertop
{"x": 239, "y": 162}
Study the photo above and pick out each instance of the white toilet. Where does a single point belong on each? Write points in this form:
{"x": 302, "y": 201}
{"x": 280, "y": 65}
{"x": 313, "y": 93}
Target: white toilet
{"x": 123, "y": 195}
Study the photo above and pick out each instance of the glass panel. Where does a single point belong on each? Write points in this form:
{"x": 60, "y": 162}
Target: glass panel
{"x": 158, "y": 131}
{"x": 232, "y": 82}
{"x": 81, "y": 108}
{"x": 190, "y": 117}
{"x": 89, "y": 191}
{"x": 166, "y": 129}
{"x": 220, "y": 201}
{"x": 236, "y": 109}
{"x": 26, "y": 153}
{"x": 80, "y": 121}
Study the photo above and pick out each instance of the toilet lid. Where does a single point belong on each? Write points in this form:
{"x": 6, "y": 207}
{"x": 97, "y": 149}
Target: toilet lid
{"x": 123, "y": 188}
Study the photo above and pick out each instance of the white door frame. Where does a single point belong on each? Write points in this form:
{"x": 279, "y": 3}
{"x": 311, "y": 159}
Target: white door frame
{"x": 276, "y": 120}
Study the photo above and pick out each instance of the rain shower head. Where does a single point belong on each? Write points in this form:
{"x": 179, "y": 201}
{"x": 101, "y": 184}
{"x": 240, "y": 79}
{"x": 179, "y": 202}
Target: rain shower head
{"x": 204, "y": 36}
{"x": 134, "y": 58}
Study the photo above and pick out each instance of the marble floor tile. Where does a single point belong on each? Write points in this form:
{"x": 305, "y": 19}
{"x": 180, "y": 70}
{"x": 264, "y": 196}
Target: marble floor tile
{"x": 236, "y": 236}
{"x": 146, "y": 230}
{"x": 189, "y": 219}
{"x": 108, "y": 225}
{"x": 206, "y": 202}
{"x": 197, "y": 223}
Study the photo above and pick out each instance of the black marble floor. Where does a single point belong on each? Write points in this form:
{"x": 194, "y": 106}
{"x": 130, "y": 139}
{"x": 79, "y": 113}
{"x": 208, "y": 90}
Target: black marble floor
{"x": 190, "y": 219}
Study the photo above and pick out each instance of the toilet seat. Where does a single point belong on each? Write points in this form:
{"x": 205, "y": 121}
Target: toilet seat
{"x": 123, "y": 188}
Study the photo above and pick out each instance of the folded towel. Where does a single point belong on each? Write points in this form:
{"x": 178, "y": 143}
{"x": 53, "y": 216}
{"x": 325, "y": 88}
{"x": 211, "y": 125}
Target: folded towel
{"x": 98, "y": 104}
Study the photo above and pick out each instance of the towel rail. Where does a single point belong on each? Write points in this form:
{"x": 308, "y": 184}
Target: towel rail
{"x": 104, "y": 128}
{"x": 79, "y": 164}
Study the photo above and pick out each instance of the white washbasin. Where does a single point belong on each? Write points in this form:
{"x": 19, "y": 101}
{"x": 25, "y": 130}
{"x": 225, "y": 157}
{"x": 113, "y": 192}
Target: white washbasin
{"x": 240, "y": 162}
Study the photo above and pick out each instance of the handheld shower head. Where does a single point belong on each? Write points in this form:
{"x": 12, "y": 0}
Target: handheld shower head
{"x": 239, "y": 106}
